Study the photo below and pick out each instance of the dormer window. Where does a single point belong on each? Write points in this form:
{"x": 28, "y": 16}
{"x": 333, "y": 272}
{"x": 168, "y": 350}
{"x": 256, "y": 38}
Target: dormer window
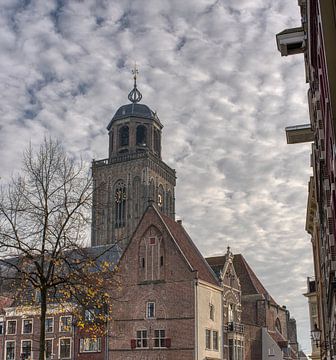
{"x": 124, "y": 136}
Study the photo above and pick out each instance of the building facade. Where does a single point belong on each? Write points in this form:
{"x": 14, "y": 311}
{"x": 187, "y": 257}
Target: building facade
{"x": 315, "y": 38}
{"x": 170, "y": 302}
{"x": 20, "y": 335}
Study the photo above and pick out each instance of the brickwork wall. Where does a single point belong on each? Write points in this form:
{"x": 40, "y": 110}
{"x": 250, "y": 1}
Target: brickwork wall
{"x": 173, "y": 297}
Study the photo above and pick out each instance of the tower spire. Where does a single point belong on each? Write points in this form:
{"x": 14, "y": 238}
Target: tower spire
{"x": 135, "y": 95}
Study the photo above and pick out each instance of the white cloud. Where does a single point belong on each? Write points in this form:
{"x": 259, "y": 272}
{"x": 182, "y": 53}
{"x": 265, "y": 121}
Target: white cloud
{"x": 221, "y": 89}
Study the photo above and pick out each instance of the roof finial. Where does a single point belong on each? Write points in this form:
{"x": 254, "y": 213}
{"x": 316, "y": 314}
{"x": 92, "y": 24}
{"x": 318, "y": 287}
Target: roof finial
{"x": 135, "y": 95}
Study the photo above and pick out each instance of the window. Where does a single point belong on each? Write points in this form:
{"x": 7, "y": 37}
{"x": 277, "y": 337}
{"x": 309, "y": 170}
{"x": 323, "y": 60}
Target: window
{"x": 1, "y": 327}
{"x": 150, "y": 310}
{"x": 236, "y": 349}
{"x": 143, "y": 262}
{"x": 120, "y": 205}
{"x": 89, "y": 315}
{"x": 49, "y": 348}
{"x": 27, "y": 326}
{"x": 208, "y": 339}
{"x": 161, "y": 260}
{"x": 278, "y": 325}
{"x": 230, "y": 313}
{"x": 215, "y": 340}
{"x": 10, "y": 350}
{"x": 142, "y": 339}
{"x": 141, "y": 135}
{"x": 157, "y": 141}
{"x": 212, "y": 311}
{"x": 159, "y": 338}
{"x": 26, "y": 349}
{"x": 65, "y": 348}
{"x": 90, "y": 345}
{"x": 124, "y": 136}
{"x": 65, "y": 323}
{"x": 49, "y": 325}
{"x": 11, "y": 327}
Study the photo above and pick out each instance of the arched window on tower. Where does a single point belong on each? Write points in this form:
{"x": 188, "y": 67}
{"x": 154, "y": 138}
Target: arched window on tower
{"x": 157, "y": 141}
{"x": 120, "y": 205}
{"x": 278, "y": 325}
{"x": 136, "y": 197}
{"x": 141, "y": 135}
{"x": 151, "y": 190}
{"x": 160, "y": 199}
{"x": 124, "y": 136}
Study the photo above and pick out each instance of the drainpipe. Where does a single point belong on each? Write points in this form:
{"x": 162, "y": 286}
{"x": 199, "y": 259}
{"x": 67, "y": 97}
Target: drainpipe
{"x": 196, "y": 318}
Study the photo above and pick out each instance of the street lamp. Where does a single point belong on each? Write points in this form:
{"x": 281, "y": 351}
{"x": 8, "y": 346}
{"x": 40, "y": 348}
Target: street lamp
{"x": 316, "y": 335}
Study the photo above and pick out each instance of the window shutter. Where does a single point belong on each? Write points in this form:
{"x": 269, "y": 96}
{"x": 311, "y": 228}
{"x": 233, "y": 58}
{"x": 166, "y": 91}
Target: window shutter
{"x": 168, "y": 342}
{"x": 133, "y": 343}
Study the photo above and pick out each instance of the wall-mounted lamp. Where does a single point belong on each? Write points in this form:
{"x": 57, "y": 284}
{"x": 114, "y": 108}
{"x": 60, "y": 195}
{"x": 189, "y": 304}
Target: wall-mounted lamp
{"x": 316, "y": 335}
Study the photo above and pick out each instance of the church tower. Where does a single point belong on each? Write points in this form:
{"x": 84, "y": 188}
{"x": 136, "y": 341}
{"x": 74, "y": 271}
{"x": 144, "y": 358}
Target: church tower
{"x": 132, "y": 176}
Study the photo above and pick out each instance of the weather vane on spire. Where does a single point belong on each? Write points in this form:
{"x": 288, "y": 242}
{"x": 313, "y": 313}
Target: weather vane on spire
{"x": 135, "y": 95}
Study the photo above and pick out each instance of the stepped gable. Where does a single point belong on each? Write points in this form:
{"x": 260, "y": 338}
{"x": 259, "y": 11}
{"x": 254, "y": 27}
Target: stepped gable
{"x": 250, "y": 284}
{"x": 189, "y": 250}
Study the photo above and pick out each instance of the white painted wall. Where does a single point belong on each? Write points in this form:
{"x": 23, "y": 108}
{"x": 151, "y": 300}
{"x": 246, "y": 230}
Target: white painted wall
{"x": 207, "y": 294}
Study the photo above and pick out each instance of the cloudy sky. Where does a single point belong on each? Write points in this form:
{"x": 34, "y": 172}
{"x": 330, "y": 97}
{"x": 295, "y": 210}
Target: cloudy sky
{"x": 224, "y": 94}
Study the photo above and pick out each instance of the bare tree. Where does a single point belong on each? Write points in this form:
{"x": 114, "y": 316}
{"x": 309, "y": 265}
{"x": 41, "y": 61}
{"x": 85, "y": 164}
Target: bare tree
{"x": 44, "y": 216}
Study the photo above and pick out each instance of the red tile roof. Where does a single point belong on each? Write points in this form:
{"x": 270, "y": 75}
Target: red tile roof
{"x": 189, "y": 250}
{"x": 249, "y": 282}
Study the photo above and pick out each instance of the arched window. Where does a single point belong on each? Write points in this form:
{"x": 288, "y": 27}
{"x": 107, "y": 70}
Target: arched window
{"x": 141, "y": 135}
{"x": 136, "y": 197}
{"x": 278, "y": 325}
{"x": 151, "y": 190}
{"x": 160, "y": 199}
{"x": 120, "y": 205}
{"x": 157, "y": 140}
{"x": 230, "y": 313}
{"x": 124, "y": 136}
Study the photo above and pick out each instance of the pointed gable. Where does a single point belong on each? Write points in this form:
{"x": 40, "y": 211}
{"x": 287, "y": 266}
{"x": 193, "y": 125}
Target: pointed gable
{"x": 189, "y": 250}
{"x": 250, "y": 284}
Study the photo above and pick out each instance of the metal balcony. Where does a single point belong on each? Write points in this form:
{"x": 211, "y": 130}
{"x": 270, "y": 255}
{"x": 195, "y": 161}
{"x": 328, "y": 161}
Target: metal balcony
{"x": 234, "y": 327}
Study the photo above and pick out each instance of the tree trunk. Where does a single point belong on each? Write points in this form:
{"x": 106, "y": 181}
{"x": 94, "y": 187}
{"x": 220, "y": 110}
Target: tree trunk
{"x": 43, "y": 312}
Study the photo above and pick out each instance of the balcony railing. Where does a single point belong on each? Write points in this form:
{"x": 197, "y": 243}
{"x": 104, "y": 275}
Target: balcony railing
{"x": 234, "y": 327}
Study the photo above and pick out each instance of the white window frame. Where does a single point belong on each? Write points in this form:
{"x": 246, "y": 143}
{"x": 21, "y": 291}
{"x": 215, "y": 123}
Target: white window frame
{"x": 52, "y": 347}
{"x": 53, "y": 325}
{"x": 31, "y": 348}
{"x": 3, "y": 327}
{"x": 81, "y": 345}
{"x": 12, "y": 341}
{"x": 147, "y": 310}
{"x": 22, "y": 326}
{"x": 141, "y": 339}
{"x": 160, "y": 338}
{"x": 60, "y": 323}
{"x": 8, "y": 327}
{"x": 59, "y": 347}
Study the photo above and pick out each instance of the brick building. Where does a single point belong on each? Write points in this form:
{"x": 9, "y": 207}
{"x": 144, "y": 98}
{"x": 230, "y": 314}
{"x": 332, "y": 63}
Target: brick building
{"x": 170, "y": 304}
{"x": 315, "y": 39}
{"x": 20, "y": 332}
{"x": 268, "y": 329}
